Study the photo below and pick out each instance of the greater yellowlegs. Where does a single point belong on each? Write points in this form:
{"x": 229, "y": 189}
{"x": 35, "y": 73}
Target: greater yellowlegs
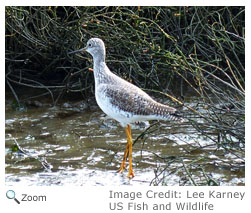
{"x": 122, "y": 100}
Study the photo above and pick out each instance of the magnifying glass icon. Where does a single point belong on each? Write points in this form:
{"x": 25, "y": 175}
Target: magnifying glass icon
{"x": 10, "y": 194}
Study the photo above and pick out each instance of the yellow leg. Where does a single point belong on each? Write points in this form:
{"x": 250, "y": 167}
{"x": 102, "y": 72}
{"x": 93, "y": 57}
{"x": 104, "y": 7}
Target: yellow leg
{"x": 128, "y": 150}
{"x": 129, "y": 139}
{"x": 122, "y": 166}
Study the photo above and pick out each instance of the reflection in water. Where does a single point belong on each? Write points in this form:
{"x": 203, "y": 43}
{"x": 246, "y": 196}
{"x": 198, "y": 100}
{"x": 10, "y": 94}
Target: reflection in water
{"x": 83, "y": 147}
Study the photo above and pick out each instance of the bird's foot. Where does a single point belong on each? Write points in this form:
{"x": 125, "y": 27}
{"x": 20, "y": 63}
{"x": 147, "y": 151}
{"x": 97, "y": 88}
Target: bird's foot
{"x": 131, "y": 174}
{"x": 122, "y": 167}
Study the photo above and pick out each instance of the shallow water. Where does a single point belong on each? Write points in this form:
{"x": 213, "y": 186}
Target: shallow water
{"x": 84, "y": 147}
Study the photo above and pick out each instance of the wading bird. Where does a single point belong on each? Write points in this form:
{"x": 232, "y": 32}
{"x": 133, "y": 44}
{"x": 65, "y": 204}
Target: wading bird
{"x": 122, "y": 100}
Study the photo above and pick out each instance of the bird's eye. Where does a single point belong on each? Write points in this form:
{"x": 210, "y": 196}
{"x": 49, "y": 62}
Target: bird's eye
{"x": 89, "y": 45}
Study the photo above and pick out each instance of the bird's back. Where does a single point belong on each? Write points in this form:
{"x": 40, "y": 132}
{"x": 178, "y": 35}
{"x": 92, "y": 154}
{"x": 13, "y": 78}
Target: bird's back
{"x": 127, "y": 103}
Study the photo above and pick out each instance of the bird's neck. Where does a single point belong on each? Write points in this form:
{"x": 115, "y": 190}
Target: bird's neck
{"x": 98, "y": 57}
{"x": 101, "y": 71}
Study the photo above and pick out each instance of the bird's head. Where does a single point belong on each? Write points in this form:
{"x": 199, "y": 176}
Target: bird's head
{"x": 94, "y": 46}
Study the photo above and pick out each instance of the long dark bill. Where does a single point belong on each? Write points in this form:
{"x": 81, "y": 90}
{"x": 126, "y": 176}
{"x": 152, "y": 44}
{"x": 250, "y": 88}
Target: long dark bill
{"x": 77, "y": 51}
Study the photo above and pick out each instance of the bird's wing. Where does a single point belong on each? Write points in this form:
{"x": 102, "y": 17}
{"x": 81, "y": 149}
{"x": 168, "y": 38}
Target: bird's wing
{"x": 132, "y": 99}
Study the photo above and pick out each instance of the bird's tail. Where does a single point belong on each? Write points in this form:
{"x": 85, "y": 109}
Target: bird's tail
{"x": 179, "y": 115}
{"x": 167, "y": 113}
